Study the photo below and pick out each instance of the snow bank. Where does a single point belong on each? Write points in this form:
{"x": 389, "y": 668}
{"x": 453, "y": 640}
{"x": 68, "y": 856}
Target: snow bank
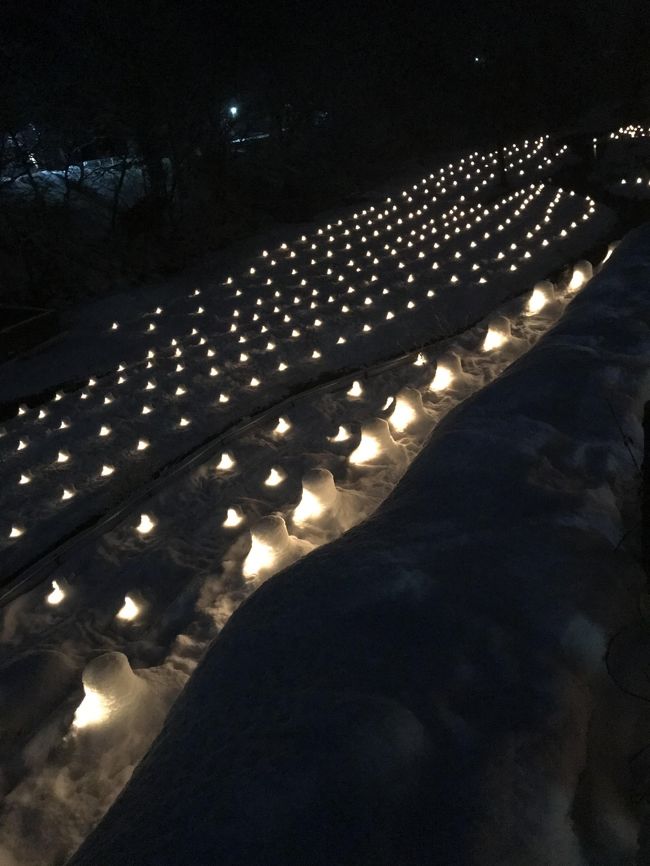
{"x": 420, "y": 690}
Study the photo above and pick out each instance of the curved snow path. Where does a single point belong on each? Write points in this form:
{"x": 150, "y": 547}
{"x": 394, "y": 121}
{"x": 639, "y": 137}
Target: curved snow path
{"x": 420, "y": 690}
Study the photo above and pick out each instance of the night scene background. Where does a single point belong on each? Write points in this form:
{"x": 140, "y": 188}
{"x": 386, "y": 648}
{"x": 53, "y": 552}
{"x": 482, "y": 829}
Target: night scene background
{"x": 324, "y": 388}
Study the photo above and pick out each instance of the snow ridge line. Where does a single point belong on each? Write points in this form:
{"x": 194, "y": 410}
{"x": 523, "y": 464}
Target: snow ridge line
{"x": 29, "y": 576}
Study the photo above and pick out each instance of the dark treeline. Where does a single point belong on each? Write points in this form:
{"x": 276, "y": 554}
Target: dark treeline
{"x": 335, "y": 93}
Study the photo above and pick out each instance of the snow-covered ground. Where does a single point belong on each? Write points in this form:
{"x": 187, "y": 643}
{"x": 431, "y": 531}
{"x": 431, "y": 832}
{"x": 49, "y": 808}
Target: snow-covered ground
{"x": 624, "y": 162}
{"x": 424, "y": 264}
{"x": 159, "y": 579}
{"x": 431, "y": 688}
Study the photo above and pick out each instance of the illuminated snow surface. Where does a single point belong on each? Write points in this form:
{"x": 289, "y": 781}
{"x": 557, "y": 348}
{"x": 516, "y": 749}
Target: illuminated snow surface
{"x": 422, "y": 690}
{"x": 160, "y": 584}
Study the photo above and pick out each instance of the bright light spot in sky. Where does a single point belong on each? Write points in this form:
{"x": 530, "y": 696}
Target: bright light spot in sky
{"x": 129, "y": 609}
{"x": 146, "y": 524}
{"x": 57, "y": 595}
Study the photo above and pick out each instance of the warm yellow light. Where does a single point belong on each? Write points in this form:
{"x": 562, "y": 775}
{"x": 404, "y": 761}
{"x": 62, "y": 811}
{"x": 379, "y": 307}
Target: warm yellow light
{"x": 536, "y": 302}
{"x": 91, "y": 711}
{"x": 226, "y": 462}
{"x": 142, "y": 445}
{"x": 106, "y": 470}
{"x": 129, "y": 609}
{"x": 16, "y": 532}
{"x": 275, "y": 477}
{"x": 367, "y": 449}
{"x": 146, "y": 524}
{"x": 282, "y": 426}
{"x": 233, "y": 518}
{"x": 341, "y": 436}
{"x": 442, "y": 379}
{"x": 56, "y": 596}
{"x": 318, "y": 494}
{"x": 355, "y": 389}
{"x": 493, "y": 340}
{"x": 403, "y": 415}
{"x": 67, "y": 494}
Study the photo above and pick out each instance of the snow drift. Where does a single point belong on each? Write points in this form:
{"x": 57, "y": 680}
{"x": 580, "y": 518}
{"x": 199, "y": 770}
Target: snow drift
{"x": 421, "y": 690}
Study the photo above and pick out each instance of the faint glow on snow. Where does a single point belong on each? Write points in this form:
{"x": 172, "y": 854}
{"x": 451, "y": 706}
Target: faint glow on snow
{"x": 146, "y": 524}
{"x": 493, "y": 340}
{"x": 274, "y": 478}
{"x": 578, "y": 280}
{"x": 261, "y": 556}
{"x": 420, "y": 361}
{"x": 56, "y": 596}
{"x": 442, "y": 379}
{"x": 129, "y": 609}
{"x": 387, "y": 404}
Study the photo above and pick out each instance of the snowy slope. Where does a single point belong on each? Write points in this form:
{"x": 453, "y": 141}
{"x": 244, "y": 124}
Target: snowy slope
{"x": 420, "y": 690}
{"x": 425, "y": 263}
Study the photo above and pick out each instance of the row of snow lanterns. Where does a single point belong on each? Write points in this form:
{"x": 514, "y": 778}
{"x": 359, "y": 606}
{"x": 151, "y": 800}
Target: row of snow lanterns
{"x": 319, "y": 491}
{"x": 439, "y": 182}
{"x": 108, "y": 469}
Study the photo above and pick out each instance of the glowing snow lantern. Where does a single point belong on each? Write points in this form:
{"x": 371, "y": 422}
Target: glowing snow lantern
{"x": 233, "y": 518}
{"x": 275, "y": 477}
{"x": 146, "y": 524}
{"x": 62, "y": 457}
{"x": 184, "y": 422}
{"x": 67, "y": 494}
{"x": 536, "y": 302}
{"x": 146, "y": 409}
{"x": 16, "y": 532}
{"x": 24, "y": 479}
{"x": 106, "y": 470}
{"x": 582, "y": 273}
{"x": 281, "y": 427}
{"x": 226, "y": 462}
{"x": 355, "y": 389}
{"x": 129, "y": 609}
{"x": 408, "y": 409}
{"x": 56, "y": 596}
{"x": 318, "y": 494}
{"x": 104, "y": 430}
{"x": 375, "y": 441}
{"x": 21, "y": 445}
{"x": 342, "y": 435}
{"x": 142, "y": 445}
{"x": 495, "y": 338}
{"x": 271, "y": 548}
{"x": 420, "y": 361}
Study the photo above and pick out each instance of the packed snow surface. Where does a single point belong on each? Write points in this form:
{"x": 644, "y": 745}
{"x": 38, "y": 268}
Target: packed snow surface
{"x": 420, "y": 690}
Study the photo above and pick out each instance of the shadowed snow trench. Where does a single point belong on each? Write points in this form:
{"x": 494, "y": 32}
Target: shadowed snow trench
{"x": 419, "y": 691}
